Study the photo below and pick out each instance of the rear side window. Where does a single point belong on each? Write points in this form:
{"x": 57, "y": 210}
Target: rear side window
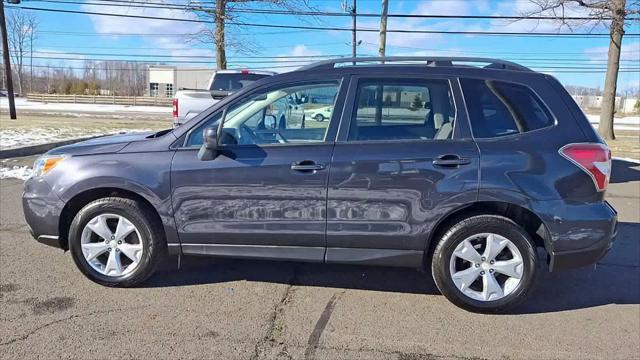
{"x": 499, "y": 108}
{"x": 403, "y": 110}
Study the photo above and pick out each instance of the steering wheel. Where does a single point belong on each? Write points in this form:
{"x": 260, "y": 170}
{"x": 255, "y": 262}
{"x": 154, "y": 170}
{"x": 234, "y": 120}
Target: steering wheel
{"x": 246, "y": 131}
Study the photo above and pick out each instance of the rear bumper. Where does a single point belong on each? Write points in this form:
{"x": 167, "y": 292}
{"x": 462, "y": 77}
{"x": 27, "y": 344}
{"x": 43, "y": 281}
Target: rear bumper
{"x": 579, "y": 235}
{"x": 42, "y": 209}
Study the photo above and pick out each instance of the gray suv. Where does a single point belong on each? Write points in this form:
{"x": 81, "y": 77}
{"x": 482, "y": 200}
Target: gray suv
{"x": 464, "y": 165}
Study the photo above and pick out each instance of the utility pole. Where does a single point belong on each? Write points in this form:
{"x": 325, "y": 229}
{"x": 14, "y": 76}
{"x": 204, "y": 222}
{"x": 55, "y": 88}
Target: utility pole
{"x": 7, "y": 62}
{"x": 383, "y": 28}
{"x": 353, "y": 30}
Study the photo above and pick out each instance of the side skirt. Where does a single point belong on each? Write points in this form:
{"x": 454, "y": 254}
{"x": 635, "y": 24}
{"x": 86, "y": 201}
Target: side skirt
{"x": 356, "y": 256}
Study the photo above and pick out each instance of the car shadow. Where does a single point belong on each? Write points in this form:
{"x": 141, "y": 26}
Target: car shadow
{"x": 624, "y": 171}
{"x": 613, "y": 281}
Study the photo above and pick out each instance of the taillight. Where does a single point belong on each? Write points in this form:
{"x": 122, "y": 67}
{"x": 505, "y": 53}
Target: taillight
{"x": 593, "y": 158}
{"x": 174, "y": 104}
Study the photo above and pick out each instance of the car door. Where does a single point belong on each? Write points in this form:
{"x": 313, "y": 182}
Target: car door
{"x": 404, "y": 158}
{"x": 264, "y": 195}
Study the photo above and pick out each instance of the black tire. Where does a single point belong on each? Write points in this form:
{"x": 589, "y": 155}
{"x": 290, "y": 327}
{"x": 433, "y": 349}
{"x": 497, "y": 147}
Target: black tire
{"x": 476, "y": 225}
{"x": 319, "y": 118}
{"x": 142, "y": 218}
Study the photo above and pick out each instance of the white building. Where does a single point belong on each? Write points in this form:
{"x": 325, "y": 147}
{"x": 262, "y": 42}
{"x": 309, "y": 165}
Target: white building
{"x": 165, "y": 80}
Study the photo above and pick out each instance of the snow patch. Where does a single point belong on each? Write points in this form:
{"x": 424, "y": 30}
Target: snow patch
{"x": 14, "y": 138}
{"x": 623, "y": 123}
{"x": 24, "y": 105}
{"x": 16, "y": 172}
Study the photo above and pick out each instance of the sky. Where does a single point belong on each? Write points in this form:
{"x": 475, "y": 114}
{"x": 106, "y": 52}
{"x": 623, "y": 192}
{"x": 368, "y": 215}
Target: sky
{"x": 66, "y": 35}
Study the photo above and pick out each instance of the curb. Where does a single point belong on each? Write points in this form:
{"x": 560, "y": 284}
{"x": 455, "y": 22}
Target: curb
{"x": 39, "y": 149}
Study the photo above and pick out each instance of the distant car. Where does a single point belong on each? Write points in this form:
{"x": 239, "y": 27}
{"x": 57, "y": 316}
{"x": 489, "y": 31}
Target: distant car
{"x": 4, "y": 93}
{"x": 319, "y": 114}
{"x": 471, "y": 171}
{"x": 188, "y": 103}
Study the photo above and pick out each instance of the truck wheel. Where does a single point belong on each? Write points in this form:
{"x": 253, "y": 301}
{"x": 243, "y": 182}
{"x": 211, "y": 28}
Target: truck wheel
{"x": 485, "y": 264}
{"x": 116, "y": 241}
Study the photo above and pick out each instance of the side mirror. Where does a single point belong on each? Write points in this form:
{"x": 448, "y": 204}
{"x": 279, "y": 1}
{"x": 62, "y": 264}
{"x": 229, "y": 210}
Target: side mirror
{"x": 209, "y": 149}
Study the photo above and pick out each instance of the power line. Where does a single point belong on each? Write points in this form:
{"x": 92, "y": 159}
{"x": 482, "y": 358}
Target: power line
{"x": 172, "y": 48}
{"x": 623, "y": 70}
{"x": 192, "y": 7}
{"x": 286, "y": 57}
{"x": 308, "y": 61}
{"x": 304, "y": 27}
{"x": 194, "y": 56}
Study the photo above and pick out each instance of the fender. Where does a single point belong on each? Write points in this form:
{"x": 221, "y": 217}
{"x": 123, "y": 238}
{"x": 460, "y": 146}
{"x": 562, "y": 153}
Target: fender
{"x": 150, "y": 180}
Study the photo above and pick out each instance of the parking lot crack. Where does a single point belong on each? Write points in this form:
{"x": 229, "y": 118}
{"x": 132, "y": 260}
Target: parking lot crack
{"x": 321, "y": 324}
{"x": 70, "y": 317}
{"x": 276, "y": 324}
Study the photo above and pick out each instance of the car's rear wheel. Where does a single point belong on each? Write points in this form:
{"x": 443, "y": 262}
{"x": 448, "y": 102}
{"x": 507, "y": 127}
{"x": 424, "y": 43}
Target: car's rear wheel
{"x": 116, "y": 241}
{"x": 319, "y": 117}
{"x": 485, "y": 263}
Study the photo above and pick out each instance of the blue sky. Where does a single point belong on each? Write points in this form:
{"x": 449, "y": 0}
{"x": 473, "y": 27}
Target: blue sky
{"x": 55, "y": 39}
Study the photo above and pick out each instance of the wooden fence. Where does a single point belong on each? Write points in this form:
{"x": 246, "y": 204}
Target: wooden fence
{"x": 100, "y": 99}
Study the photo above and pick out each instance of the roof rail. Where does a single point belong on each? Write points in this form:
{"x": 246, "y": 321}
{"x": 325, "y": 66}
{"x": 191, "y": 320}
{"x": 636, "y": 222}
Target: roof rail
{"x": 429, "y": 61}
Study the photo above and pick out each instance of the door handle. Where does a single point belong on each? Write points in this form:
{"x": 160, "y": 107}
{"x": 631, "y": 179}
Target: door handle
{"x": 306, "y": 166}
{"x": 450, "y": 161}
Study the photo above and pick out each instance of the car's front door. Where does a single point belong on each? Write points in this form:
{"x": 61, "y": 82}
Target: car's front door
{"x": 264, "y": 195}
{"x": 403, "y": 158}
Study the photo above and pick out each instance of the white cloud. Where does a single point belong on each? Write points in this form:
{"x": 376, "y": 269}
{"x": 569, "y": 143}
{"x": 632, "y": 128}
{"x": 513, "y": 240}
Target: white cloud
{"x": 174, "y": 45}
{"x": 152, "y": 26}
{"x": 629, "y": 52}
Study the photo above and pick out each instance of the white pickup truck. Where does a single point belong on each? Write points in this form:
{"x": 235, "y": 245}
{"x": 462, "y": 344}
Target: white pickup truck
{"x": 188, "y": 103}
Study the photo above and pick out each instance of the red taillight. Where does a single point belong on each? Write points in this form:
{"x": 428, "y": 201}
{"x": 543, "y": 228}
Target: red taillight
{"x": 245, "y": 72}
{"x": 593, "y": 158}
{"x": 174, "y": 104}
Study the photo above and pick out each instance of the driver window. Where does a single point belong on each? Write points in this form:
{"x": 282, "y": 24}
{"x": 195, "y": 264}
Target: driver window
{"x": 297, "y": 114}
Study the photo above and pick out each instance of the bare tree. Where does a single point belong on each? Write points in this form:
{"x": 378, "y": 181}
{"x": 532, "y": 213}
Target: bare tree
{"x": 224, "y": 11}
{"x": 22, "y": 30}
{"x": 611, "y": 13}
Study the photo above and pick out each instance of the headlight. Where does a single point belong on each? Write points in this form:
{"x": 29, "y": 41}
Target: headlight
{"x": 45, "y": 163}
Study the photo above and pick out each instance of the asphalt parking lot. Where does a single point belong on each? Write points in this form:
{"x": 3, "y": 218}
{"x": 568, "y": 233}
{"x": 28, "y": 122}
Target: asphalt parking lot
{"x": 227, "y": 309}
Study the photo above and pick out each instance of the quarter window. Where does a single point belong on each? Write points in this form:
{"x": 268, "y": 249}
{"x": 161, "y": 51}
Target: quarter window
{"x": 499, "y": 108}
{"x": 394, "y": 110}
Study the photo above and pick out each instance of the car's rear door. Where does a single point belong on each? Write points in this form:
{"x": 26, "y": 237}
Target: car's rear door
{"x": 404, "y": 157}
{"x": 264, "y": 195}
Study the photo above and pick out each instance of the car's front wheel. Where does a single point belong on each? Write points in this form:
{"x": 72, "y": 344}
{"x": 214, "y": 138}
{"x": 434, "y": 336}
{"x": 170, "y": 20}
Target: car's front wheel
{"x": 116, "y": 241}
{"x": 485, "y": 263}
{"x": 319, "y": 117}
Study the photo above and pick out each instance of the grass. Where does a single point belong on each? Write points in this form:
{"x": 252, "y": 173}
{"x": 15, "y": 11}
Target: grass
{"x": 626, "y": 144}
{"x": 84, "y": 122}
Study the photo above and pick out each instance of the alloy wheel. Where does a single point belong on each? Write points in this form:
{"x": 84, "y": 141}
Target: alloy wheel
{"x": 111, "y": 245}
{"x": 486, "y": 267}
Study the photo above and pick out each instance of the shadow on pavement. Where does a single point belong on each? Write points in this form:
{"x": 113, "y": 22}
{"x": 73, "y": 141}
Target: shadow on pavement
{"x": 623, "y": 171}
{"x": 614, "y": 281}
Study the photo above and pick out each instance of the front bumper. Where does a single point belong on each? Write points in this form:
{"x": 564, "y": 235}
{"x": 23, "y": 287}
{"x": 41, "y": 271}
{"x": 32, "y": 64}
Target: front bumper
{"x": 580, "y": 234}
{"x": 42, "y": 209}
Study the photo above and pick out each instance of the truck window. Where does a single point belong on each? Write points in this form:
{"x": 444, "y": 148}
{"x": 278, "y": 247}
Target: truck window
{"x": 233, "y": 82}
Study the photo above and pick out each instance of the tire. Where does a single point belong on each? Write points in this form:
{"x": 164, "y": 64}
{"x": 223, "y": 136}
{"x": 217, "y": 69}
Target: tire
{"x": 477, "y": 296}
{"x": 319, "y": 118}
{"x": 147, "y": 238}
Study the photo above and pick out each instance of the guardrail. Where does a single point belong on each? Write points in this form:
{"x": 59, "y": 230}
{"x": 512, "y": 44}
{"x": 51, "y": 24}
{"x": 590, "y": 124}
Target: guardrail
{"x": 100, "y": 99}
